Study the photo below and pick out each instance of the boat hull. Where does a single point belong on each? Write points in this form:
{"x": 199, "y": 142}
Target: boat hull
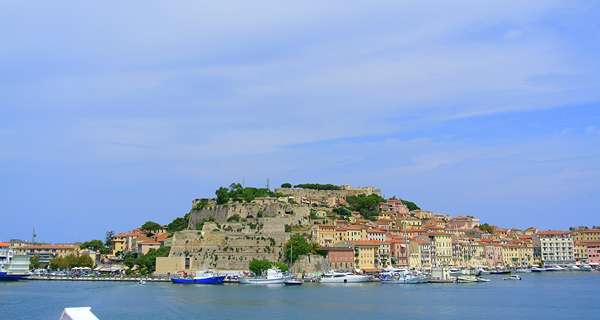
{"x": 10, "y": 277}
{"x": 350, "y": 279}
{"x": 261, "y": 281}
{"x": 211, "y": 280}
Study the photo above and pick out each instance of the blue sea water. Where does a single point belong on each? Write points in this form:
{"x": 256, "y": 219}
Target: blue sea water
{"x": 560, "y": 295}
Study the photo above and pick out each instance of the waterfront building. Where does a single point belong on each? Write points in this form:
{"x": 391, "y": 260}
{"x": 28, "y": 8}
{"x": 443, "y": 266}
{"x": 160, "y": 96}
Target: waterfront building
{"x": 593, "y": 252}
{"x": 517, "y": 254}
{"x": 383, "y": 258}
{"x": 6, "y": 254}
{"x": 399, "y": 252}
{"x": 46, "y": 252}
{"x": 557, "y": 247}
{"x": 441, "y": 249}
{"x": 419, "y": 253}
{"x": 581, "y": 237}
{"x": 341, "y": 257}
{"x": 365, "y": 253}
{"x": 492, "y": 253}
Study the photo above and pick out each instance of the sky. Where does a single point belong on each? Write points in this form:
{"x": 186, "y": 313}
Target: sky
{"x": 113, "y": 113}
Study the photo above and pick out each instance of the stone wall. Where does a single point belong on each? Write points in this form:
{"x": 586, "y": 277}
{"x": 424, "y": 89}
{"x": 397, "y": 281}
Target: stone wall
{"x": 310, "y": 264}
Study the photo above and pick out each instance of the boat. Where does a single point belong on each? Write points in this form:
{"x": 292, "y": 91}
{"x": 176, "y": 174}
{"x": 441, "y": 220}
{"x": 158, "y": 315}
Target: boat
{"x": 480, "y": 279}
{"x": 500, "y": 271}
{"x": 273, "y": 276}
{"x": 555, "y": 268}
{"x": 142, "y": 282}
{"x": 402, "y": 278}
{"x": 538, "y": 269}
{"x": 293, "y": 282}
{"x": 522, "y": 270}
{"x": 4, "y": 276}
{"x": 80, "y": 313}
{"x": 513, "y": 277}
{"x": 455, "y": 272}
{"x": 466, "y": 279}
{"x": 585, "y": 267}
{"x": 480, "y": 271}
{"x": 343, "y": 277}
{"x": 203, "y": 277}
{"x": 232, "y": 278}
{"x": 574, "y": 268}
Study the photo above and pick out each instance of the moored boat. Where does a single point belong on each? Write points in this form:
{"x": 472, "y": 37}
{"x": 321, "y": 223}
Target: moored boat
{"x": 293, "y": 282}
{"x": 273, "y": 276}
{"x": 538, "y": 269}
{"x": 204, "y": 277}
{"x": 4, "y": 276}
{"x": 513, "y": 277}
{"x": 344, "y": 277}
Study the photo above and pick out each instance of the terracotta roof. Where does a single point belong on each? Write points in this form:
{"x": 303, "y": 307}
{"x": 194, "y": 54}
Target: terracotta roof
{"x": 552, "y": 233}
{"x": 50, "y": 246}
{"x": 366, "y": 243}
{"x": 4, "y": 244}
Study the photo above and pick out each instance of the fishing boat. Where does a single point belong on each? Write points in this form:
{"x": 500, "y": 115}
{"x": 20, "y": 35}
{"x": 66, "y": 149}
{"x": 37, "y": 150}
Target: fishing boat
{"x": 272, "y": 276}
{"x": 344, "y": 277}
{"x": 203, "y": 277}
{"x": 513, "y": 277}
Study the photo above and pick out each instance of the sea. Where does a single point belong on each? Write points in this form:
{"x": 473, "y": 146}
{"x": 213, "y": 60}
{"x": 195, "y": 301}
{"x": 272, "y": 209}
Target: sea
{"x": 552, "y": 295}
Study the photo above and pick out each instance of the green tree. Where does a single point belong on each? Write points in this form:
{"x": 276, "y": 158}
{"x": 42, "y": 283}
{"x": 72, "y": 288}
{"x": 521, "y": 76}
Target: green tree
{"x": 286, "y": 185}
{"x": 342, "y": 211}
{"x": 486, "y": 228}
{"x": 178, "y": 224}
{"x": 94, "y": 245}
{"x": 368, "y": 206}
{"x": 151, "y": 226}
{"x": 222, "y": 195}
{"x": 108, "y": 238}
{"x": 34, "y": 262}
{"x": 317, "y": 186}
{"x": 281, "y": 266}
{"x": 199, "y": 205}
{"x": 410, "y": 205}
{"x": 295, "y": 247}
{"x": 258, "y": 266}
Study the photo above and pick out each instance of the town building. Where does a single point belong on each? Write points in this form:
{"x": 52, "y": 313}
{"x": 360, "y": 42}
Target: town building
{"x": 6, "y": 254}
{"x": 46, "y": 252}
{"x": 557, "y": 247}
{"x": 593, "y": 253}
{"x": 365, "y": 254}
{"x": 341, "y": 257}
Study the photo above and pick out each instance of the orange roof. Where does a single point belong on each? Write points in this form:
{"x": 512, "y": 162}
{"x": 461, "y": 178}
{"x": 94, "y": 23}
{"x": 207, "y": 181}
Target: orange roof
{"x": 553, "y": 233}
{"x": 366, "y": 243}
{"x": 4, "y": 244}
{"x": 50, "y": 246}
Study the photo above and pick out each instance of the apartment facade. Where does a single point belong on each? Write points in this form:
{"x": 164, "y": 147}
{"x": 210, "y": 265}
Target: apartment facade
{"x": 557, "y": 247}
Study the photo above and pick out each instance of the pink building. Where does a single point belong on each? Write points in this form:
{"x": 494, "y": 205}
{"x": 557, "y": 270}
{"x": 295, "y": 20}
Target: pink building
{"x": 593, "y": 252}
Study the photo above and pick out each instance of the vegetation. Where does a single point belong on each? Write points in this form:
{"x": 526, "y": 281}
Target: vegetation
{"x": 410, "y": 205}
{"x": 486, "y": 228}
{"x": 342, "y": 211}
{"x": 298, "y": 246}
{"x": 286, "y": 185}
{"x": 368, "y": 206}
{"x": 95, "y": 245}
{"x": 146, "y": 263}
{"x": 199, "y": 205}
{"x": 200, "y": 225}
{"x": 178, "y": 224}
{"x": 34, "y": 262}
{"x": 236, "y": 192}
{"x": 259, "y": 266}
{"x": 108, "y": 238}
{"x": 234, "y": 218}
{"x": 151, "y": 226}
{"x": 71, "y": 261}
{"x": 317, "y": 186}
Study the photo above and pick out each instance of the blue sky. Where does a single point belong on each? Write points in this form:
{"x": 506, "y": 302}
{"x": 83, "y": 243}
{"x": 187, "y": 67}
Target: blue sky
{"x": 115, "y": 113}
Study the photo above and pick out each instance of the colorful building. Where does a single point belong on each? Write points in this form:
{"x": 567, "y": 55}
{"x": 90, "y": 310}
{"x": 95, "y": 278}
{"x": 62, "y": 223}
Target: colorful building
{"x": 557, "y": 247}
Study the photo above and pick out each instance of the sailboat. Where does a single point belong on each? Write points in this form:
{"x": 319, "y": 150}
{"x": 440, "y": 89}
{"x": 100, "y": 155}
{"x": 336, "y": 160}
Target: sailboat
{"x": 292, "y": 281}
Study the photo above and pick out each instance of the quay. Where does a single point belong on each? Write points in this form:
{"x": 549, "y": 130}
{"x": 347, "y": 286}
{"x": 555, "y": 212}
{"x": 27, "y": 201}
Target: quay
{"x": 115, "y": 279}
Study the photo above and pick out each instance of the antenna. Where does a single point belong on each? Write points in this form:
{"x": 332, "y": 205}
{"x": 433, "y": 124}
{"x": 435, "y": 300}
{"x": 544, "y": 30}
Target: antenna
{"x": 33, "y": 236}
{"x": 268, "y": 184}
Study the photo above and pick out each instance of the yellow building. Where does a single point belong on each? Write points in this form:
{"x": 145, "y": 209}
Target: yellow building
{"x": 419, "y": 253}
{"x": 580, "y": 238}
{"x": 517, "y": 254}
{"x": 365, "y": 254}
{"x": 350, "y": 233}
{"x": 441, "y": 249}
{"x": 326, "y": 235}
{"x": 409, "y": 221}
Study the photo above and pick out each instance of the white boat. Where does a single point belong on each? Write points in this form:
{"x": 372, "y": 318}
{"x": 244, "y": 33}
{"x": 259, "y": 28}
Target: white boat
{"x": 81, "y": 313}
{"x": 404, "y": 277}
{"x": 522, "y": 270}
{"x": 574, "y": 268}
{"x": 455, "y": 272}
{"x": 513, "y": 277}
{"x": 555, "y": 268}
{"x": 467, "y": 279}
{"x": 480, "y": 271}
{"x": 538, "y": 269}
{"x": 343, "y": 277}
{"x": 273, "y": 276}
{"x": 585, "y": 267}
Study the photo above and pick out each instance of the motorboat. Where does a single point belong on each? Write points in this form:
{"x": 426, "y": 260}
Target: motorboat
{"x": 466, "y": 279}
{"x": 344, "y": 277}
{"x": 513, "y": 277}
{"x": 402, "y": 278}
{"x": 500, "y": 271}
{"x": 202, "y": 277}
{"x": 293, "y": 282}
{"x": 80, "y": 313}
{"x": 455, "y": 272}
{"x": 272, "y": 276}
{"x": 522, "y": 270}
{"x": 555, "y": 268}
{"x": 538, "y": 269}
{"x": 142, "y": 282}
{"x": 585, "y": 267}
{"x": 481, "y": 271}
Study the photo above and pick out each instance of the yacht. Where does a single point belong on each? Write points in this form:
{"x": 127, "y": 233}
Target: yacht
{"x": 202, "y": 277}
{"x": 538, "y": 269}
{"x": 402, "y": 277}
{"x": 344, "y": 277}
{"x": 555, "y": 268}
{"x": 273, "y": 276}
{"x": 513, "y": 277}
